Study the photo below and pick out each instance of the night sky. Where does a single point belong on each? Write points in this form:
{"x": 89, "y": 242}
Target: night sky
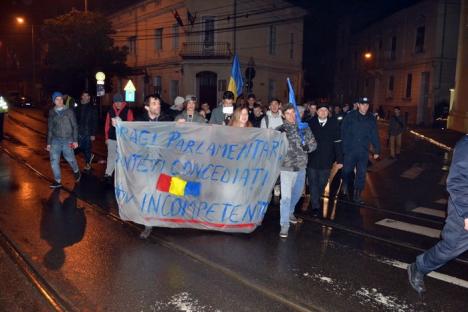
{"x": 319, "y": 28}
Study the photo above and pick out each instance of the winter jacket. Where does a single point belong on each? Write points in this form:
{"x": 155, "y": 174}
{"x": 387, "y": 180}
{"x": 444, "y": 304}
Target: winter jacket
{"x": 256, "y": 121}
{"x": 328, "y": 139}
{"x": 270, "y": 121}
{"x": 62, "y": 124}
{"x": 123, "y": 113}
{"x": 218, "y": 117}
{"x": 195, "y": 118}
{"x": 87, "y": 119}
{"x": 161, "y": 117}
{"x": 296, "y": 157}
{"x": 396, "y": 126}
{"x": 358, "y": 131}
{"x": 457, "y": 181}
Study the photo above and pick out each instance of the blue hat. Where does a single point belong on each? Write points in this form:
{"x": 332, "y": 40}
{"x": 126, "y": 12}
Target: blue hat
{"x": 117, "y": 98}
{"x": 56, "y": 94}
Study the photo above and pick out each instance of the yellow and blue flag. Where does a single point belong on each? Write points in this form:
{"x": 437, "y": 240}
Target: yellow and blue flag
{"x": 235, "y": 82}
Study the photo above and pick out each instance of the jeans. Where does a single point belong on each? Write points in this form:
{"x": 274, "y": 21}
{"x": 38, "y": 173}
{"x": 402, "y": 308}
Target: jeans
{"x": 359, "y": 161}
{"x": 111, "y": 156}
{"x": 57, "y": 147}
{"x": 84, "y": 145}
{"x": 454, "y": 242}
{"x": 395, "y": 145}
{"x": 292, "y": 185}
{"x": 318, "y": 179}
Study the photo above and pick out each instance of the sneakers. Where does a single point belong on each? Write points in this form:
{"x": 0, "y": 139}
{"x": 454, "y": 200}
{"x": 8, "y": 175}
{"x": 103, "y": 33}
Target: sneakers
{"x": 55, "y": 185}
{"x": 416, "y": 278}
{"x": 77, "y": 176}
{"x": 293, "y": 219}
{"x": 277, "y": 190}
{"x": 146, "y": 232}
{"x": 284, "y": 232}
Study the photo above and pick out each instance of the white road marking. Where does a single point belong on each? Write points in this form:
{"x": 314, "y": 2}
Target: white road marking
{"x": 430, "y": 212}
{"x": 409, "y": 227}
{"x": 441, "y": 277}
{"x": 441, "y": 201}
{"x": 412, "y": 173}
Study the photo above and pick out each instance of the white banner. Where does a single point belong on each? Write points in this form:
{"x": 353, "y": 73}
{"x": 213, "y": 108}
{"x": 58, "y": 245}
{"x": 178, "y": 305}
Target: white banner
{"x": 195, "y": 175}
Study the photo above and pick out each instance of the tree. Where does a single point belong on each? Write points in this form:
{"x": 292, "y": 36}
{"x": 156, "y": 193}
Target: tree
{"x": 79, "y": 44}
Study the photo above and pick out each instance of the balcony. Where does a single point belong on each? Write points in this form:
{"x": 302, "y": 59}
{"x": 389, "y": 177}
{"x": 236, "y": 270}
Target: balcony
{"x": 200, "y": 50}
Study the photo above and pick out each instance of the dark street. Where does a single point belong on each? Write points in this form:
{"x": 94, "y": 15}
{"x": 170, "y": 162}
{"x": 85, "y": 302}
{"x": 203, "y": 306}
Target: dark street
{"x": 354, "y": 259}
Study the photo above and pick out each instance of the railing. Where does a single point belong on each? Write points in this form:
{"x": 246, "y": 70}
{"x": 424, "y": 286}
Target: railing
{"x": 198, "y": 50}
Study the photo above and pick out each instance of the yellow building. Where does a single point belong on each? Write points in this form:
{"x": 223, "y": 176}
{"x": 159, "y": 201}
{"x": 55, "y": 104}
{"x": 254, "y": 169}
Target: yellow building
{"x": 194, "y": 55}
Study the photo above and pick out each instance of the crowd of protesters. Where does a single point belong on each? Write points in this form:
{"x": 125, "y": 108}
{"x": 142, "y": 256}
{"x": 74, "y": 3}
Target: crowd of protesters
{"x": 319, "y": 136}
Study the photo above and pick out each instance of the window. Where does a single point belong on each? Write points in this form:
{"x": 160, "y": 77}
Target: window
{"x": 409, "y": 82}
{"x": 132, "y": 45}
{"x": 157, "y": 84}
{"x": 158, "y": 39}
{"x": 222, "y": 85}
{"x": 174, "y": 89}
{"x": 391, "y": 86}
{"x": 420, "y": 34}
{"x": 393, "y": 49}
{"x": 271, "y": 89}
{"x": 208, "y": 31}
{"x": 291, "y": 45}
{"x": 272, "y": 40}
{"x": 175, "y": 36}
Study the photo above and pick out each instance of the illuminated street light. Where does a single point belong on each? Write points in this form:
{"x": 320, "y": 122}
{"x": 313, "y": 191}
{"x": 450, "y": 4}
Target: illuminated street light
{"x": 367, "y": 55}
{"x": 21, "y": 20}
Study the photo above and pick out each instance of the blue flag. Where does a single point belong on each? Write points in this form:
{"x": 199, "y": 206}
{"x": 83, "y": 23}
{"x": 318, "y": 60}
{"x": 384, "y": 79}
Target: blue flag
{"x": 235, "y": 82}
{"x": 292, "y": 99}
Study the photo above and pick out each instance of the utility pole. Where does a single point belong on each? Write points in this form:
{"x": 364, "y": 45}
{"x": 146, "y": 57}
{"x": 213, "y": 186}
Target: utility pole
{"x": 86, "y": 6}
{"x": 33, "y": 50}
{"x": 235, "y": 26}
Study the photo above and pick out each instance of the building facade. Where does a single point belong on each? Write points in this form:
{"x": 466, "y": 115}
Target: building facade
{"x": 179, "y": 47}
{"x": 407, "y": 59}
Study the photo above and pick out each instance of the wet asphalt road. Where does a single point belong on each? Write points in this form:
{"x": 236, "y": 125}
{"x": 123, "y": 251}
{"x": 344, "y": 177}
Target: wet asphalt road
{"x": 345, "y": 262}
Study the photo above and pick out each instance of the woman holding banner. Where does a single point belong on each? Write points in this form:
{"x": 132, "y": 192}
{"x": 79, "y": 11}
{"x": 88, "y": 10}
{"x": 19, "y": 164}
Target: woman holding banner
{"x": 240, "y": 118}
{"x": 190, "y": 113}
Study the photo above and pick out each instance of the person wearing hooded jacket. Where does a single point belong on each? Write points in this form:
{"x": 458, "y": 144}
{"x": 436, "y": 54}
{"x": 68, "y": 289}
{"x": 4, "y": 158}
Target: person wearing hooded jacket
{"x": 273, "y": 118}
{"x": 118, "y": 111}
{"x": 293, "y": 169}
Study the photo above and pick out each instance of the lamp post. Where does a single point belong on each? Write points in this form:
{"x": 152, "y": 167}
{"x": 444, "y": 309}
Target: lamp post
{"x": 20, "y": 20}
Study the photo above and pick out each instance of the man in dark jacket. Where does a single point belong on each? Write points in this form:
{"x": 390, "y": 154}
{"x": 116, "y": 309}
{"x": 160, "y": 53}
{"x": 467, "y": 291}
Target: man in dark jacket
{"x": 153, "y": 110}
{"x": 87, "y": 118}
{"x": 300, "y": 143}
{"x": 359, "y": 129}
{"x": 221, "y": 115}
{"x": 396, "y": 128}
{"x": 62, "y": 137}
{"x": 327, "y": 134}
{"x": 118, "y": 111}
{"x": 455, "y": 232}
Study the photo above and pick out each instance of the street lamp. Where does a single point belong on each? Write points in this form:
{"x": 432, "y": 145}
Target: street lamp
{"x": 368, "y": 56}
{"x": 21, "y": 21}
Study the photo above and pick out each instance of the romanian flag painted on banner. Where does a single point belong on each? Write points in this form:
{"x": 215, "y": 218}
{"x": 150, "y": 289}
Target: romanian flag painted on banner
{"x": 235, "y": 82}
{"x": 177, "y": 186}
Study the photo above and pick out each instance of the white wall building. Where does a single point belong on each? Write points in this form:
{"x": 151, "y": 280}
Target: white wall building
{"x": 195, "y": 58}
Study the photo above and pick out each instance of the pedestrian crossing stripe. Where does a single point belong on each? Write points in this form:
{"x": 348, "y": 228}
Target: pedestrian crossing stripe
{"x": 430, "y": 212}
{"x": 409, "y": 227}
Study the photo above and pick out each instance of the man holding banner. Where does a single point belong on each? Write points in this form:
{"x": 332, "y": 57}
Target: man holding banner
{"x": 301, "y": 142}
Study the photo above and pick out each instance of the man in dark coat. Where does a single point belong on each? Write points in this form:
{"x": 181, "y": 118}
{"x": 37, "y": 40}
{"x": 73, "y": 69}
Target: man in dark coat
{"x": 87, "y": 118}
{"x": 153, "y": 110}
{"x": 327, "y": 134}
{"x": 396, "y": 128}
{"x": 359, "y": 129}
{"x": 455, "y": 232}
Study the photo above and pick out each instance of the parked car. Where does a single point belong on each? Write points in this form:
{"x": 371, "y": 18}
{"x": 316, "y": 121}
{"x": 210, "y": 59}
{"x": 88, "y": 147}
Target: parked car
{"x": 23, "y": 101}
